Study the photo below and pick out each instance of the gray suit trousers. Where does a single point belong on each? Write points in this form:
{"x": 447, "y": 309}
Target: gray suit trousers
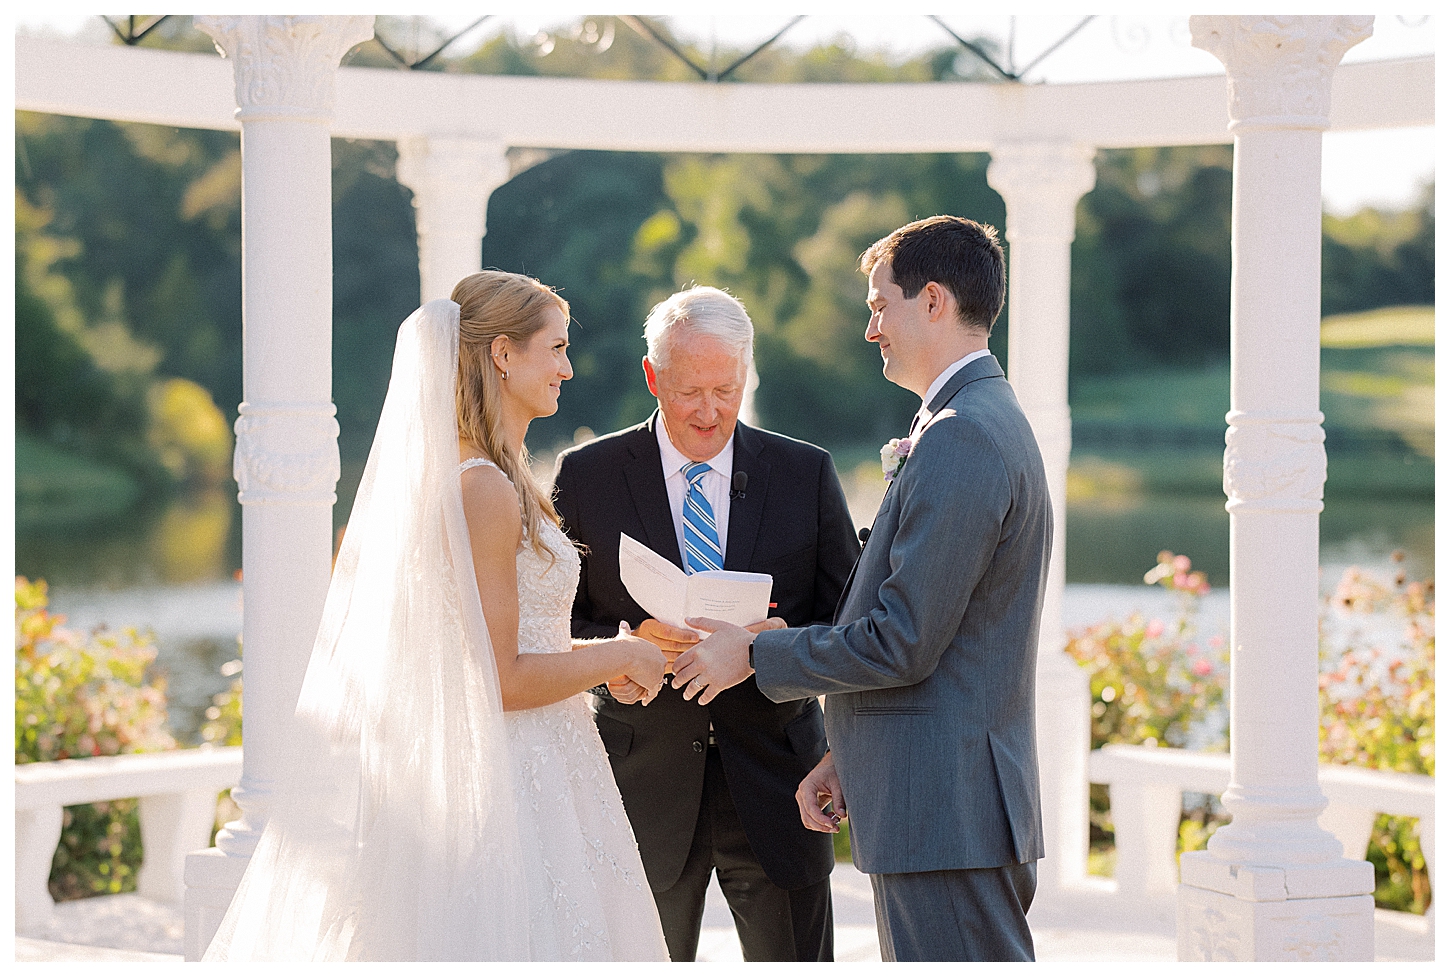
{"x": 976, "y": 914}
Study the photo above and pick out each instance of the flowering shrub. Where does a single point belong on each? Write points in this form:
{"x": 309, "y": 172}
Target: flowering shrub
{"x": 1377, "y": 706}
{"x": 1153, "y": 682}
{"x": 85, "y": 695}
{"x": 223, "y": 726}
{"x": 1377, "y": 688}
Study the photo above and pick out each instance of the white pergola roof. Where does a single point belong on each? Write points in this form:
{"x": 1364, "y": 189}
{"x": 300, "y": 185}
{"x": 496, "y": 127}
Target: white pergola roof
{"x": 196, "y": 91}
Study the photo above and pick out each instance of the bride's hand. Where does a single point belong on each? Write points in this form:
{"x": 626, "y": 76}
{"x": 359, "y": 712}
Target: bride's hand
{"x": 646, "y": 667}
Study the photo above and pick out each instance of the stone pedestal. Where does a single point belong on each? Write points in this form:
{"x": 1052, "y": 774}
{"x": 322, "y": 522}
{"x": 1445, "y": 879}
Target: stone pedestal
{"x": 1273, "y": 884}
{"x": 1041, "y": 184}
{"x": 286, "y": 462}
{"x": 451, "y": 180}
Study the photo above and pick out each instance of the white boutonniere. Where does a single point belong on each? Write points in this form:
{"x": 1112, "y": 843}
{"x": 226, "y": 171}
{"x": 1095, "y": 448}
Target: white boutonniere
{"x": 893, "y": 457}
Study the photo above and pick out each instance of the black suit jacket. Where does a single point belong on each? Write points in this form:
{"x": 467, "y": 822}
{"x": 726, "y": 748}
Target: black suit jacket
{"x": 793, "y": 523}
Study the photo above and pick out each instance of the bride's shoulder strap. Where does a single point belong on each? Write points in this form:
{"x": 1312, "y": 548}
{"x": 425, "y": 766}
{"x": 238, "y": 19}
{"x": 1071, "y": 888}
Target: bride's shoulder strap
{"x": 468, "y": 463}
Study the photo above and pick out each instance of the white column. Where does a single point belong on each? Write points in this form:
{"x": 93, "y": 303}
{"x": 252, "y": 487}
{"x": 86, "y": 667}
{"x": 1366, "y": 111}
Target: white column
{"x": 1273, "y": 885}
{"x": 451, "y": 179}
{"x": 286, "y": 462}
{"x": 1042, "y": 183}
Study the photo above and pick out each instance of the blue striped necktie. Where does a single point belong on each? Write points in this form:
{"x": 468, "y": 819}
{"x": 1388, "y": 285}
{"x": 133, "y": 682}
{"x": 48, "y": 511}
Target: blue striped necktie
{"x": 702, "y": 541}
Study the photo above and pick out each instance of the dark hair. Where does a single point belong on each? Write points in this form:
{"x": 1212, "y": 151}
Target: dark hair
{"x": 958, "y": 254}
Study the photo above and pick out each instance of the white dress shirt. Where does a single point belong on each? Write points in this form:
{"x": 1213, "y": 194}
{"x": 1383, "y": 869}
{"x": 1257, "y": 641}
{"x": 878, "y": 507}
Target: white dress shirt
{"x": 923, "y": 415}
{"x": 715, "y": 485}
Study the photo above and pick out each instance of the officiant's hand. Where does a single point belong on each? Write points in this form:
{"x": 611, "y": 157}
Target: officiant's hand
{"x": 667, "y": 638}
{"x": 715, "y": 664}
{"x": 822, "y": 787}
{"x": 769, "y": 624}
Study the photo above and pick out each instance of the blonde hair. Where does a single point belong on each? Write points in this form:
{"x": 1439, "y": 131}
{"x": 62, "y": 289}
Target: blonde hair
{"x": 493, "y": 304}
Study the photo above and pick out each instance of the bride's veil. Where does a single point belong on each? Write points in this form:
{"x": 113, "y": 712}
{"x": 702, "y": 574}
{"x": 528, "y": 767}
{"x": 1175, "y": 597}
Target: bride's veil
{"x": 391, "y": 835}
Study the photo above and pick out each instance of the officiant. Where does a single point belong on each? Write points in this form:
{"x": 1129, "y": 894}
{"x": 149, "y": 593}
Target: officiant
{"x": 712, "y": 788}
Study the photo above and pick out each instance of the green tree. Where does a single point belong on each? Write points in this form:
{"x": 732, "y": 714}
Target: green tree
{"x": 155, "y": 214}
{"x": 1151, "y": 262}
{"x": 1376, "y": 258}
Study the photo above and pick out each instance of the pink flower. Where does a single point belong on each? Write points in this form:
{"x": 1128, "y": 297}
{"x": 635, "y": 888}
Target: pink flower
{"x": 1182, "y": 563}
{"x": 1154, "y": 628}
{"x": 1180, "y": 580}
{"x": 1202, "y": 668}
{"x": 1216, "y": 641}
{"x": 903, "y": 447}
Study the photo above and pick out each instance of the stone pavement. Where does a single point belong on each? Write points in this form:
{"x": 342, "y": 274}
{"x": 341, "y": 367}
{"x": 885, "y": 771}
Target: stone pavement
{"x": 1090, "y": 928}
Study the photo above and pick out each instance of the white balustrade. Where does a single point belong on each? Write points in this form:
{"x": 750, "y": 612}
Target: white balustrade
{"x": 178, "y": 793}
{"x": 1147, "y": 784}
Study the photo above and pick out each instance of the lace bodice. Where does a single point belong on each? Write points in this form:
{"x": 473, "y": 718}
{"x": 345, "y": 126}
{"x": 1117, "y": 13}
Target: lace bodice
{"x": 546, "y": 592}
{"x": 546, "y": 587}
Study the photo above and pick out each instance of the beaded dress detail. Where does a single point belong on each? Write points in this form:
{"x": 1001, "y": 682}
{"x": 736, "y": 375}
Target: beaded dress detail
{"x": 587, "y": 893}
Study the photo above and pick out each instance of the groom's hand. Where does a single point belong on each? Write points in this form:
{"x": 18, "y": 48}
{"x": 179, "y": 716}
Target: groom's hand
{"x": 716, "y": 663}
{"x": 822, "y": 787}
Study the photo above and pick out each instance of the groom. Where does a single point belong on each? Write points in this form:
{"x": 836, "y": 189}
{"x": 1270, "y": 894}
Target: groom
{"x": 713, "y": 788}
{"x": 928, "y": 671}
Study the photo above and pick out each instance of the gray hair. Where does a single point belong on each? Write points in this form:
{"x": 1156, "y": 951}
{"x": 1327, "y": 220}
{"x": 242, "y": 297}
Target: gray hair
{"x": 699, "y": 311}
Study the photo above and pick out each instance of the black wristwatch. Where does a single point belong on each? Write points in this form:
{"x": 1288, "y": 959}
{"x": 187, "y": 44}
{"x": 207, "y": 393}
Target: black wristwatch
{"x": 750, "y": 654}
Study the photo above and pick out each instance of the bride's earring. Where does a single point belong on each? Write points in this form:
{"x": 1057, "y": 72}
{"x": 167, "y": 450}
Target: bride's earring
{"x": 504, "y": 375}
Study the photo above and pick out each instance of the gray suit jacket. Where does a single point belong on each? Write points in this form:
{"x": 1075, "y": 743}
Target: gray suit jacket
{"x": 929, "y": 668}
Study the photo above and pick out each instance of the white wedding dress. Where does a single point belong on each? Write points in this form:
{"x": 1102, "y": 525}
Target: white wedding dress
{"x": 588, "y": 898}
{"x": 408, "y": 817}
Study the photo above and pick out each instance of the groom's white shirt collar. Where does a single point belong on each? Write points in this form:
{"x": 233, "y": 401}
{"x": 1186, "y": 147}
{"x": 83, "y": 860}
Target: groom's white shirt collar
{"x": 716, "y": 484}
{"x": 924, "y": 414}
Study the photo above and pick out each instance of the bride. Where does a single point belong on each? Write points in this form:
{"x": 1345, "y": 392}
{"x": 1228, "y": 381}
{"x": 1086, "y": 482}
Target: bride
{"x": 449, "y": 798}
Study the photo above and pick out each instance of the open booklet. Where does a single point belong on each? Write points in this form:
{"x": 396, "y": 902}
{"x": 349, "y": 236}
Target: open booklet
{"x": 670, "y": 595}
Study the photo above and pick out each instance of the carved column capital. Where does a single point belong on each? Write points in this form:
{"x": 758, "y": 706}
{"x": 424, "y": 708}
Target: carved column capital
{"x": 287, "y": 454}
{"x": 1279, "y": 68}
{"x": 285, "y": 66}
{"x": 451, "y": 179}
{"x": 1041, "y": 183}
{"x": 451, "y": 160}
{"x": 1274, "y": 463}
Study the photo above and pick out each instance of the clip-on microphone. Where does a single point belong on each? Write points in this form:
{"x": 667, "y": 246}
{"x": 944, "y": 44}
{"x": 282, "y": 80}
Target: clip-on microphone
{"x": 737, "y": 488}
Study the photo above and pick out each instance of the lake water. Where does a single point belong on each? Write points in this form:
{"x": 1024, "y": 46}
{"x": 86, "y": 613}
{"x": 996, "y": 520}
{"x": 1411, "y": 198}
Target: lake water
{"x": 173, "y": 569}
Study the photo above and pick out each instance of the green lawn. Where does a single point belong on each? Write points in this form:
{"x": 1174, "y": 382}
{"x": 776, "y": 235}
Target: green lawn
{"x": 1377, "y": 392}
{"x": 1401, "y": 325}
